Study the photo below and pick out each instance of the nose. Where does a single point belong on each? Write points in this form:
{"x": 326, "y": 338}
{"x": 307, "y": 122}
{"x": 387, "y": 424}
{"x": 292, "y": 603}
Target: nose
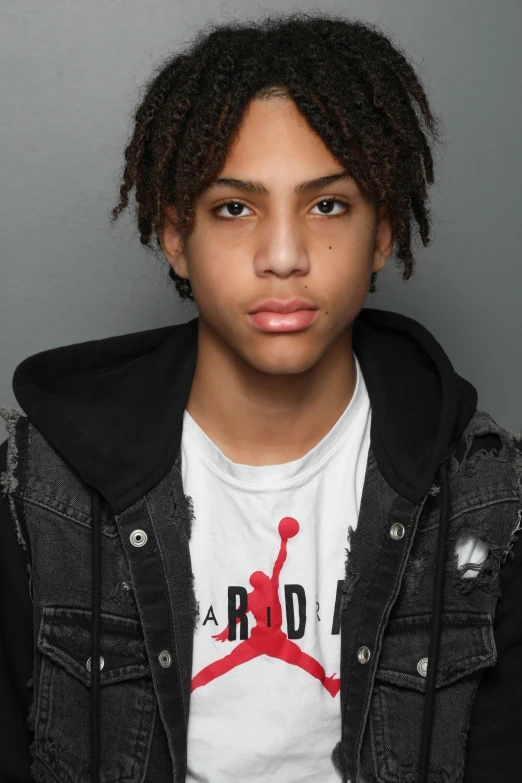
{"x": 281, "y": 248}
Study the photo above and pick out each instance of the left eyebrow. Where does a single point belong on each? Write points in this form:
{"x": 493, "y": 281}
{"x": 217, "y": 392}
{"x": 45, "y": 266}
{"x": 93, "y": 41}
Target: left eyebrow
{"x": 258, "y": 189}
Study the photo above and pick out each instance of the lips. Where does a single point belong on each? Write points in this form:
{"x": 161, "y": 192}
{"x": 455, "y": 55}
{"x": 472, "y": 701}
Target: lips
{"x": 282, "y": 306}
{"x": 270, "y": 321}
{"x": 279, "y": 315}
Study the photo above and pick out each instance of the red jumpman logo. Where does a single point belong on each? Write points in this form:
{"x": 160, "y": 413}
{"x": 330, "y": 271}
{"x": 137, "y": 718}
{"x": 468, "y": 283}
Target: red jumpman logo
{"x": 267, "y": 639}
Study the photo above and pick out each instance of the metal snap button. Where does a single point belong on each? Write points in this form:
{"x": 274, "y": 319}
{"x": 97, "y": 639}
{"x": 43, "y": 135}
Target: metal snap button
{"x": 422, "y": 667}
{"x": 138, "y": 538}
{"x": 165, "y": 659}
{"x": 88, "y": 664}
{"x": 397, "y": 531}
{"x": 363, "y": 656}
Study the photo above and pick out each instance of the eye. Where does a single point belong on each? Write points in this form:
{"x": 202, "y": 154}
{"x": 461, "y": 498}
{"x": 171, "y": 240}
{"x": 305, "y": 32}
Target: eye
{"x": 234, "y": 206}
{"x": 328, "y": 204}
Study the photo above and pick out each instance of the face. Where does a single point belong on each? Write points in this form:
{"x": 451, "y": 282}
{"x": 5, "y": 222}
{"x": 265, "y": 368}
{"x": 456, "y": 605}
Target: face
{"x": 282, "y": 239}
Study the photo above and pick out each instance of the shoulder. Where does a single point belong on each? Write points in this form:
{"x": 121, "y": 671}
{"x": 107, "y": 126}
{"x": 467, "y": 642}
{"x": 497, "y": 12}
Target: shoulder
{"x": 488, "y": 450}
{"x": 484, "y": 432}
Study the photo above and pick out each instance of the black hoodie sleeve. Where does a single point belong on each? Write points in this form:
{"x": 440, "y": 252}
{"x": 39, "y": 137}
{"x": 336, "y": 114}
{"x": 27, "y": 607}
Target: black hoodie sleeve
{"x": 494, "y": 746}
{"x": 16, "y": 649}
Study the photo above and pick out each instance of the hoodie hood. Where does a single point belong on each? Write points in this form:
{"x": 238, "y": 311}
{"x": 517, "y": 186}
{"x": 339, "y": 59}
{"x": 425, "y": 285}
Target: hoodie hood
{"x": 113, "y": 408}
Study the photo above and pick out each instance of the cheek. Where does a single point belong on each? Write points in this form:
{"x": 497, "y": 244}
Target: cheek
{"x": 215, "y": 278}
{"x": 345, "y": 285}
{"x": 345, "y": 271}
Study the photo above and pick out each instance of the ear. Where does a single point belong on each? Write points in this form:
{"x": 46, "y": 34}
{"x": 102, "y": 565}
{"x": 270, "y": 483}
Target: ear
{"x": 383, "y": 237}
{"x": 172, "y": 244}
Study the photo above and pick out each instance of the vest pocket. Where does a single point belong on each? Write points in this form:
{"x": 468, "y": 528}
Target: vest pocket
{"x": 392, "y": 740}
{"x": 127, "y": 700}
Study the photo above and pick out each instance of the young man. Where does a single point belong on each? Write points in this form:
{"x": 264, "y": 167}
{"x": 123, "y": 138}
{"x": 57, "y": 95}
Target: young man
{"x": 281, "y": 529}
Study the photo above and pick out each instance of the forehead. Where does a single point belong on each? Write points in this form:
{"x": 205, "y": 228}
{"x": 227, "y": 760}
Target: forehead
{"x": 273, "y": 136}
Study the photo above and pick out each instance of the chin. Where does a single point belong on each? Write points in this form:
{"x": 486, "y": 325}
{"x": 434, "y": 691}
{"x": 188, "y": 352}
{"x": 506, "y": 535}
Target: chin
{"x": 282, "y": 362}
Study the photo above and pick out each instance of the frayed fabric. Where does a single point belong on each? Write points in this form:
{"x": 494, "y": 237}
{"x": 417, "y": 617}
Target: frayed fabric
{"x": 351, "y": 575}
{"x": 8, "y": 479}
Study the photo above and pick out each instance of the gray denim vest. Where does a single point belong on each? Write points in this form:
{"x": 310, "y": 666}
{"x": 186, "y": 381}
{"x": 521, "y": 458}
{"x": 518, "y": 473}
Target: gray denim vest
{"x": 149, "y": 611}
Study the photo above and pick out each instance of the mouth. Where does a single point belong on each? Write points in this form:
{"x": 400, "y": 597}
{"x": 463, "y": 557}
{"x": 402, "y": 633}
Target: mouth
{"x": 272, "y": 321}
{"x": 281, "y": 306}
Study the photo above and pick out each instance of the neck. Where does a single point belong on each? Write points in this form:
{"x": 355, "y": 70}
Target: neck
{"x": 259, "y": 418}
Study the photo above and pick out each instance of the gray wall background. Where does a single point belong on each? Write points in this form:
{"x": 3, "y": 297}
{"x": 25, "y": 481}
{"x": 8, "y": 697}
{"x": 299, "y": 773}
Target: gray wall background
{"x": 71, "y": 74}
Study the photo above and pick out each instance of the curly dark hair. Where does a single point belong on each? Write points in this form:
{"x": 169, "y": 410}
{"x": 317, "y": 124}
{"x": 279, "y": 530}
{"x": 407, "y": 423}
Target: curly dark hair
{"x": 357, "y": 90}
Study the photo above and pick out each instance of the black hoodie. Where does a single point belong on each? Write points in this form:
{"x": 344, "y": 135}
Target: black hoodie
{"x": 113, "y": 409}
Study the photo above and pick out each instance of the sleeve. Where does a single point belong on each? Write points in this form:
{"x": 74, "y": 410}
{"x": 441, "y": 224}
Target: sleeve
{"x": 494, "y": 749}
{"x": 16, "y": 649}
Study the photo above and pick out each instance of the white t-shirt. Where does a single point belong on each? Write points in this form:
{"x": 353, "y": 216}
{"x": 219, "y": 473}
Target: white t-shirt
{"x": 266, "y": 705}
